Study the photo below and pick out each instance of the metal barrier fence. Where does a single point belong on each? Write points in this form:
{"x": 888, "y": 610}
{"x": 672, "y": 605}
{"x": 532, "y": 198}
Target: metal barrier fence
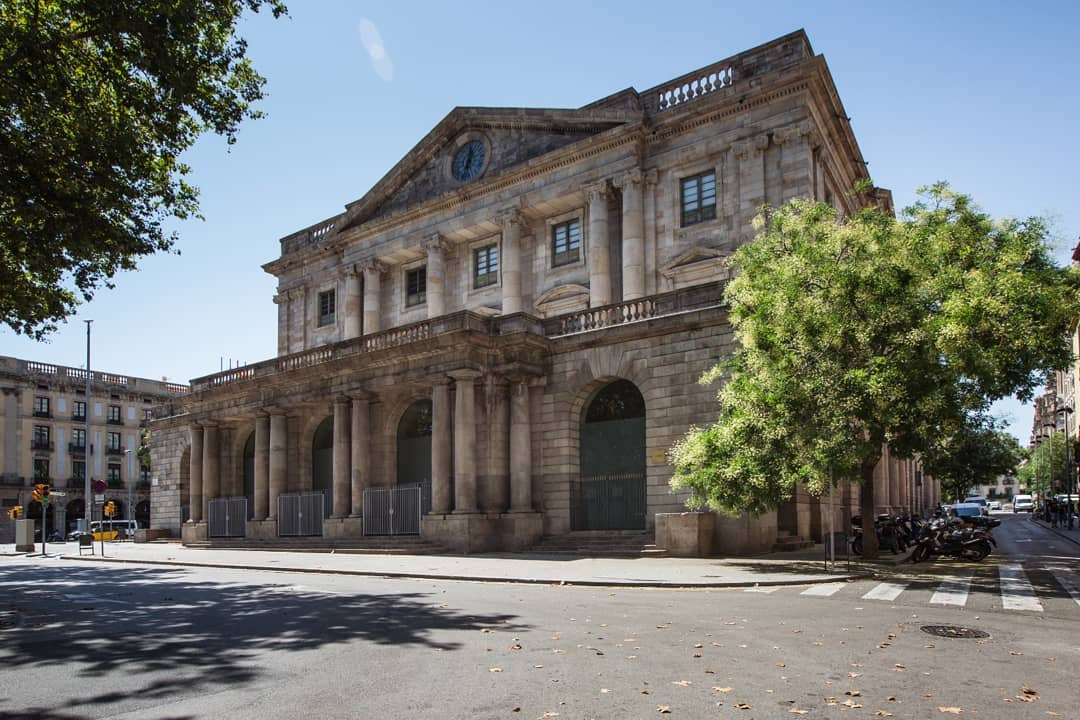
{"x": 300, "y": 514}
{"x": 392, "y": 511}
{"x": 226, "y": 517}
{"x": 608, "y": 502}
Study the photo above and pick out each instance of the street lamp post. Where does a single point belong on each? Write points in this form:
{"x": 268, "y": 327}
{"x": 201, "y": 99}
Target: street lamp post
{"x": 88, "y": 499}
{"x": 130, "y": 488}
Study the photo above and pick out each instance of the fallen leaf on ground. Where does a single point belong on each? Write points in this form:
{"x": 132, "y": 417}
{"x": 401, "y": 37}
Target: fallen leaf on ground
{"x": 854, "y": 674}
{"x": 1029, "y": 691}
{"x": 723, "y": 690}
{"x": 950, "y": 710}
{"x": 515, "y": 646}
{"x": 853, "y": 693}
{"x": 538, "y": 666}
{"x": 1013, "y": 652}
{"x": 494, "y": 669}
{"x": 683, "y": 683}
{"x": 883, "y": 713}
{"x": 780, "y": 665}
{"x": 891, "y": 698}
{"x": 1027, "y": 698}
{"x": 665, "y": 709}
{"x": 1051, "y": 713}
{"x": 797, "y": 711}
{"x": 551, "y": 714}
{"x": 697, "y": 645}
{"x": 486, "y": 630}
{"x": 743, "y": 706}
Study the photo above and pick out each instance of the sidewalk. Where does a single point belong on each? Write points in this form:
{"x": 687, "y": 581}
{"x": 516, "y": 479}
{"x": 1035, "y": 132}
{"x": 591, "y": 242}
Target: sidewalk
{"x": 797, "y": 568}
{"x": 1072, "y": 536}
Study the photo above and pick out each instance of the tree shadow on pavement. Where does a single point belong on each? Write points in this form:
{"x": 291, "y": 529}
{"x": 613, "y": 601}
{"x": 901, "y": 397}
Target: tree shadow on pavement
{"x": 188, "y": 635}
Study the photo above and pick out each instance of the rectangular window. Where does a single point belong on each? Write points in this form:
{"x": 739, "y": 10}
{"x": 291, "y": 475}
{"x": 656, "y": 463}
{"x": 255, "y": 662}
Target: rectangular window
{"x": 565, "y": 243}
{"x": 78, "y": 470}
{"x": 113, "y": 441}
{"x": 114, "y": 415}
{"x": 698, "y": 198}
{"x": 41, "y": 438}
{"x": 41, "y": 407}
{"x": 78, "y": 439}
{"x": 326, "y": 308}
{"x": 147, "y": 414}
{"x": 113, "y": 476}
{"x": 485, "y": 266}
{"x": 144, "y": 474}
{"x": 78, "y": 410}
{"x": 41, "y": 469}
{"x": 416, "y": 286}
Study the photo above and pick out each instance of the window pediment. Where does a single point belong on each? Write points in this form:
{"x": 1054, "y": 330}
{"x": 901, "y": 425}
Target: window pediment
{"x": 697, "y": 266}
{"x": 563, "y": 299}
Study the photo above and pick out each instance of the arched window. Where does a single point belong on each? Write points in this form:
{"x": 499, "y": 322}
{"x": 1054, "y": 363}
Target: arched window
{"x": 610, "y": 493}
{"x": 322, "y": 463}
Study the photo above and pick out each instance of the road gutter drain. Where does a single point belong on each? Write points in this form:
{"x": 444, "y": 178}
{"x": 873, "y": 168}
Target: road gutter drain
{"x": 954, "y": 631}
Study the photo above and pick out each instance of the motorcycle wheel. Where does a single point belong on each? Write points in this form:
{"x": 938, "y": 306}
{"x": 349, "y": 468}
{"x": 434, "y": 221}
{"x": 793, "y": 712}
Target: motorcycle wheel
{"x": 977, "y": 552}
{"x": 921, "y": 553}
{"x": 856, "y": 546}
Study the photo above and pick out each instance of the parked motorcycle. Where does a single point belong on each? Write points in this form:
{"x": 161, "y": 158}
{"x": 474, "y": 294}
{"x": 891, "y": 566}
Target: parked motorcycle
{"x": 953, "y": 537}
{"x": 886, "y": 529}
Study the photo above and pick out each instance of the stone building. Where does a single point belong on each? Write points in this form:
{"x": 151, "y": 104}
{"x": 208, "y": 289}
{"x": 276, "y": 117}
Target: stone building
{"x": 43, "y": 414}
{"x": 503, "y": 337}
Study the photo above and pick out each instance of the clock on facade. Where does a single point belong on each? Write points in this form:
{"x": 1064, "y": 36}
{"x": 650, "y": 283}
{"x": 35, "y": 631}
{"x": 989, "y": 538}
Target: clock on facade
{"x": 469, "y": 161}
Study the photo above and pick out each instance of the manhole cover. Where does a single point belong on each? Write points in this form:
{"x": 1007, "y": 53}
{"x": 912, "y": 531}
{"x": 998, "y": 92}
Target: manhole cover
{"x": 954, "y": 631}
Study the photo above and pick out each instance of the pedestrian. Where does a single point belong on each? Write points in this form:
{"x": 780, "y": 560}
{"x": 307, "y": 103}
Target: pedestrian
{"x": 1070, "y": 511}
{"x": 1052, "y": 510}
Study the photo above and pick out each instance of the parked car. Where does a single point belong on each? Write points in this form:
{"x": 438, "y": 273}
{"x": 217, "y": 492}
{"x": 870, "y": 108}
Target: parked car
{"x": 966, "y": 510}
{"x": 1023, "y": 503}
{"x": 980, "y": 501}
{"x": 995, "y": 505}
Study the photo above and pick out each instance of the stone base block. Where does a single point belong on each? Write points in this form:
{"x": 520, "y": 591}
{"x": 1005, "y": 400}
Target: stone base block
{"x": 341, "y": 528}
{"x": 147, "y": 534}
{"x": 191, "y": 532}
{"x": 261, "y": 529}
{"x": 24, "y": 536}
{"x": 744, "y": 534}
{"x": 483, "y": 532}
{"x": 688, "y": 534}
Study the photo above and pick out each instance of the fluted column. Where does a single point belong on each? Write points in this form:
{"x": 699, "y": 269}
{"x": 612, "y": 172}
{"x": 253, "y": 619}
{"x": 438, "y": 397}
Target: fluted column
{"x": 440, "y": 446}
{"x": 279, "y": 453}
{"x": 353, "y": 312}
{"x": 465, "y": 441}
{"x": 373, "y": 271}
{"x": 195, "y": 475}
{"x": 342, "y": 459}
{"x": 262, "y": 466}
{"x": 599, "y": 250}
{"x": 520, "y": 448}
{"x": 436, "y": 271}
{"x": 511, "y": 262}
{"x": 633, "y": 236}
{"x": 211, "y": 474}
{"x": 361, "y": 453}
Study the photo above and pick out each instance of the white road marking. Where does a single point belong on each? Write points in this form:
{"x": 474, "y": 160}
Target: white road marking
{"x": 1024, "y": 540}
{"x": 823, "y": 590}
{"x": 953, "y": 591}
{"x": 763, "y": 591}
{"x": 95, "y": 599}
{"x": 885, "y": 591}
{"x": 1016, "y": 591}
{"x": 1070, "y": 582}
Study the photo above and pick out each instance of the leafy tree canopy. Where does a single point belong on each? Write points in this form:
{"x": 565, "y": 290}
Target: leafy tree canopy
{"x": 98, "y": 100}
{"x": 974, "y": 452}
{"x": 861, "y": 332}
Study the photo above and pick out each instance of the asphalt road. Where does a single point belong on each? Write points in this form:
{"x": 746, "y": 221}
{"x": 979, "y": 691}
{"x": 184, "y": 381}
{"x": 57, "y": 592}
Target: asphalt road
{"x": 82, "y": 640}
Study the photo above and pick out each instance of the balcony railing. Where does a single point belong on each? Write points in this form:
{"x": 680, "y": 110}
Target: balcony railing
{"x": 78, "y": 448}
{"x": 43, "y": 413}
{"x": 114, "y": 451}
{"x": 41, "y": 445}
{"x": 114, "y": 421}
{"x": 698, "y": 297}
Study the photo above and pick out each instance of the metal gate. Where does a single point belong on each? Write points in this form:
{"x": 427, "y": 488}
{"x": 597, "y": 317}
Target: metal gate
{"x": 392, "y": 511}
{"x": 226, "y": 517}
{"x": 608, "y": 502}
{"x": 300, "y": 514}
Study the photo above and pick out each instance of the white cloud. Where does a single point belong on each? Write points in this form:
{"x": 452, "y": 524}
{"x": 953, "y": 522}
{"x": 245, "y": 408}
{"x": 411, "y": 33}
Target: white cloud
{"x": 373, "y": 44}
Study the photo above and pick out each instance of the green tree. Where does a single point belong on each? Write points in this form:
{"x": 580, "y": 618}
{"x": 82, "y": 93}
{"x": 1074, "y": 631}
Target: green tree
{"x": 974, "y": 452}
{"x": 1047, "y": 470}
{"x": 98, "y": 100}
{"x": 863, "y": 332}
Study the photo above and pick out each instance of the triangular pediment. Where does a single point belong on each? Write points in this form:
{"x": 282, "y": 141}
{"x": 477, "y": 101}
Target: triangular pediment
{"x": 697, "y": 265}
{"x": 511, "y": 137}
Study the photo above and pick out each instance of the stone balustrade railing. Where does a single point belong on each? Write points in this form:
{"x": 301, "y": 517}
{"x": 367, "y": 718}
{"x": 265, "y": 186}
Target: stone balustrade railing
{"x": 308, "y": 236}
{"x": 698, "y": 297}
{"x": 53, "y": 373}
{"x": 702, "y": 82}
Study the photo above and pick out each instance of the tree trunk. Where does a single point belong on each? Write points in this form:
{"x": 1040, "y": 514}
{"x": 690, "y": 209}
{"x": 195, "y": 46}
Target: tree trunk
{"x": 866, "y": 509}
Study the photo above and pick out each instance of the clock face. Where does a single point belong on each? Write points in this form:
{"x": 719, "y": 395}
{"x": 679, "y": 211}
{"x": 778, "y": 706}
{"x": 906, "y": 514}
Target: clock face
{"x": 469, "y": 161}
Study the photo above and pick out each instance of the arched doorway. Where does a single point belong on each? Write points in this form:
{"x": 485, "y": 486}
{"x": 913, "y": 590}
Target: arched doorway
{"x": 414, "y": 450}
{"x": 75, "y": 510}
{"x": 185, "y": 486}
{"x": 142, "y": 513}
{"x": 322, "y": 463}
{"x": 249, "y": 475}
{"x": 610, "y": 494}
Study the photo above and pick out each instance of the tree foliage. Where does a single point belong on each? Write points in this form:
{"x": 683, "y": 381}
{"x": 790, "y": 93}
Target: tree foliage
{"x": 98, "y": 100}
{"x": 973, "y": 452}
{"x": 1046, "y": 469}
{"x": 869, "y": 331}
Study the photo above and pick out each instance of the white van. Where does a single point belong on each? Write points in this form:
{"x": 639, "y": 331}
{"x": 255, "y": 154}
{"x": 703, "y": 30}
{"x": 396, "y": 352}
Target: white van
{"x": 979, "y": 500}
{"x": 114, "y": 529}
{"x": 1022, "y": 503}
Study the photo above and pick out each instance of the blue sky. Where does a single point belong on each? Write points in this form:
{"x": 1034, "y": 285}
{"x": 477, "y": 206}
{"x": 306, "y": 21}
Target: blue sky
{"x": 980, "y": 94}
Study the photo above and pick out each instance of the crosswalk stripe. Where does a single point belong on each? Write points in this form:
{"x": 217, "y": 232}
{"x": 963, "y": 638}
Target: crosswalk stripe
{"x": 1070, "y": 582}
{"x": 825, "y": 590}
{"x": 1016, "y": 591}
{"x": 762, "y": 590}
{"x": 953, "y": 591}
{"x": 885, "y": 591}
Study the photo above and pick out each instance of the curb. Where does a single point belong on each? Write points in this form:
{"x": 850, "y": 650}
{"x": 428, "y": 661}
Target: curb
{"x": 1056, "y": 531}
{"x": 484, "y": 579}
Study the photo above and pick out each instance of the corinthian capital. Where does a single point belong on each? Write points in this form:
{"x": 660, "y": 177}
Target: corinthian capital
{"x": 435, "y": 243}
{"x": 631, "y": 177}
{"x": 791, "y": 132}
{"x": 597, "y": 191}
{"x": 372, "y": 265}
{"x": 509, "y": 216}
{"x": 744, "y": 149}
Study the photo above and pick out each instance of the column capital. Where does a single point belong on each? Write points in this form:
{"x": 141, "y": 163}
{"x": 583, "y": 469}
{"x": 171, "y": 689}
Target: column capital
{"x": 650, "y": 177}
{"x": 440, "y": 380}
{"x": 351, "y": 270}
{"x": 630, "y": 177}
{"x": 207, "y": 423}
{"x": 465, "y": 374}
{"x": 363, "y": 395}
{"x": 372, "y": 265}
{"x": 791, "y": 132}
{"x": 509, "y": 216}
{"x": 281, "y": 298}
{"x": 344, "y": 400}
{"x": 597, "y": 191}
{"x": 743, "y": 149}
{"x": 435, "y": 243}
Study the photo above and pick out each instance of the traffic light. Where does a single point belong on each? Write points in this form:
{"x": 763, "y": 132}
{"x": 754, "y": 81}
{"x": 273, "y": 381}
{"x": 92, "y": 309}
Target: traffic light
{"x": 15, "y": 512}
{"x": 45, "y": 493}
{"x": 38, "y": 492}
{"x": 110, "y": 509}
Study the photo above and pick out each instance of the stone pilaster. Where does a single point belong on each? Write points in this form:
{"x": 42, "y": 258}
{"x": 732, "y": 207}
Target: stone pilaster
{"x": 599, "y": 250}
{"x": 633, "y": 236}
{"x": 262, "y": 466}
{"x": 496, "y": 496}
{"x": 373, "y": 271}
{"x": 342, "y": 459}
{"x": 353, "y": 311}
{"x": 195, "y": 477}
{"x": 282, "y": 302}
{"x": 211, "y": 460}
{"x": 511, "y": 261}
{"x": 440, "y": 446}
{"x": 649, "y": 176}
{"x": 436, "y": 247}
{"x": 750, "y": 155}
{"x": 279, "y": 454}
{"x": 520, "y": 448}
{"x": 361, "y": 452}
{"x": 796, "y": 161}
{"x": 465, "y": 440}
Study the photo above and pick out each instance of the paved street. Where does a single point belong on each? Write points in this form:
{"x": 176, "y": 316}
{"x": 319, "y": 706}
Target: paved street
{"x": 86, "y": 639}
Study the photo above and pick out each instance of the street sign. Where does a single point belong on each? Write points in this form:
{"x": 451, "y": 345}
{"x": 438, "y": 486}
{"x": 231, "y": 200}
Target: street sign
{"x": 58, "y": 494}
{"x": 100, "y": 487}
{"x": 98, "y": 499}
